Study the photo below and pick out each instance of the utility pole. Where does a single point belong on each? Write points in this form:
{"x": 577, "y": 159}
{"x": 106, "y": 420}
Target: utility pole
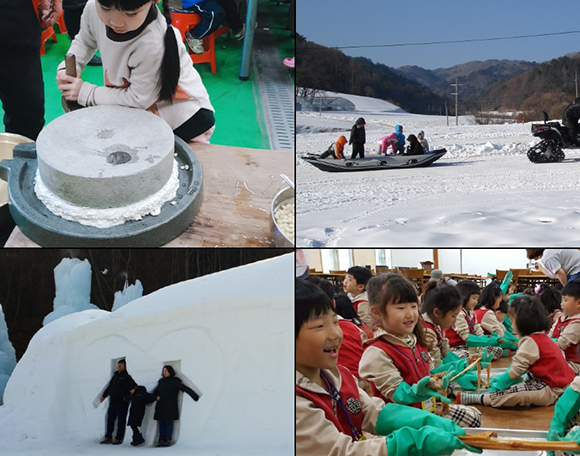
{"x": 576, "y": 81}
{"x": 456, "y": 95}
{"x": 446, "y": 113}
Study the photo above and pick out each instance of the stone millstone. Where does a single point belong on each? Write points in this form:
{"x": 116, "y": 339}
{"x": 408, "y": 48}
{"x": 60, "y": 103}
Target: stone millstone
{"x": 105, "y": 156}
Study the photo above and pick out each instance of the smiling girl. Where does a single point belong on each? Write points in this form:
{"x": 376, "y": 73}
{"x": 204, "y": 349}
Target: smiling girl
{"x": 396, "y": 361}
{"x": 145, "y": 66}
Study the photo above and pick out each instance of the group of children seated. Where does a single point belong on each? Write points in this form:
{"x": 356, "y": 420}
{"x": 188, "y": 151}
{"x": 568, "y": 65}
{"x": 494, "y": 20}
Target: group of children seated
{"x": 395, "y": 142}
{"x": 380, "y": 343}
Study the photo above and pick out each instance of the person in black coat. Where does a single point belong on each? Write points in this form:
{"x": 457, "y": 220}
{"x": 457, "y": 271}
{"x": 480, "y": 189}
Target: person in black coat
{"x": 414, "y": 147}
{"x": 139, "y": 399}
{"x": 358, "y": 138}
{"x": 166, "y": 408}
{"x": 118, "y": 390}
{"x": 570, "y": 119}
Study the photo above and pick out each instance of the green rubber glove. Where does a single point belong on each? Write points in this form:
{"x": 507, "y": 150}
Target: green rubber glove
{"x": 427, "y": 441}
{"x": 574, "y": 434}
{"x": 405, "y": 394}
{"x": 565, "y": 409}
{"x": 482, "y": 341}
{"x": 508, "y": 336}
{"x": 555, "y": 339}
{"x": 506, "y": 282}
{"x": 508, "y": 324}
{"x": 450, "y": 358}
{"x": 395, "y": 416}
{"x": 502, "y": 382}
{"x": 486, "y": 357}
{"x": 512, "y": 297}
{"x": 456, "y": 366}
{"x": 467, "y": 381}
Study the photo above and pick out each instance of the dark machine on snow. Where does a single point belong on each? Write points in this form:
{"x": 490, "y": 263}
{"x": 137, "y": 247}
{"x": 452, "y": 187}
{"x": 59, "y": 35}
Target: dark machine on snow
{"x": 555, "y": 139}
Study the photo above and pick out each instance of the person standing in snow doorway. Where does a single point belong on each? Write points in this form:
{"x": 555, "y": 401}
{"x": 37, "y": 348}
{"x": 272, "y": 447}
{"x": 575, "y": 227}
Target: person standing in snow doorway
{"x": 166, "y": 408}
{"x": 118, "y": 390}
{"x": 358, "y": 138}
{"x": 139, "y": 400}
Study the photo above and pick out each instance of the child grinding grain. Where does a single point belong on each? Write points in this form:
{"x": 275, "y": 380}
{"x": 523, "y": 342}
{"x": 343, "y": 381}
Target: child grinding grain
{"x": 548, "y": 372}
{"x": 332, "y": 412}
{"x": 144, "y": 63}
{"x": 566, "y": 329}
{"x": 396, "y": 361}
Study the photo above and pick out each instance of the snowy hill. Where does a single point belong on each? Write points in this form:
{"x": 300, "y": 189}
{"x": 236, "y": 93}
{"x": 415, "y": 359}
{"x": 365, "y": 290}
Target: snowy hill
{"x": 234, "y": 347}
{"x": 367, "y": 104}
{"x": 483, "y": 192}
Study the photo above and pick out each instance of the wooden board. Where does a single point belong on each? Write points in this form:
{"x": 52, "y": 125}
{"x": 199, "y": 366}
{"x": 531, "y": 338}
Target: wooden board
{"x": 238, "y": 187}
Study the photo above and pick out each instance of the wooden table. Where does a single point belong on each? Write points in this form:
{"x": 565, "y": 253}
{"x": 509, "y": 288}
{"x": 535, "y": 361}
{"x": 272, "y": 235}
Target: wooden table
{"x": 238, "y": 187}
{"x": 531, "y": 280}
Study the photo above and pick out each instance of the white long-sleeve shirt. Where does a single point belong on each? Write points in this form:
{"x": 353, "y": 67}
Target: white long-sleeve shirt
{"x": 132, "y": 70}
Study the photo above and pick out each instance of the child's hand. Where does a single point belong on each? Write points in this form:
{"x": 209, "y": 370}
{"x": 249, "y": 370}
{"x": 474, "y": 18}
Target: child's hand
{"x": 70, "y": 86}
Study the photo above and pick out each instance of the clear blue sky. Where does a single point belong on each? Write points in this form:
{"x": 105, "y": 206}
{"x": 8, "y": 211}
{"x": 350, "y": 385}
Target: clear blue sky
{"x": 371, "y": 22}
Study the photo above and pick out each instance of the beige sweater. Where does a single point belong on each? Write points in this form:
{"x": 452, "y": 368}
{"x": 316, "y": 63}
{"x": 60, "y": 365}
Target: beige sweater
{"x": 462, "y": 328}
{"x": 132, "y": 70}
{"x": 436, "y": 351}
{"x": 317, "y": 436}
{"x": 490, "y": 323}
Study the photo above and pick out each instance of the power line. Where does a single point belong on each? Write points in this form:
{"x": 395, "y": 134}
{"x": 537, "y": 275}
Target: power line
{"x": 473, "y": 40}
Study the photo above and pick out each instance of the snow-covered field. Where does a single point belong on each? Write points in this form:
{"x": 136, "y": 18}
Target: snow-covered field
{"x": 483, "y": 192}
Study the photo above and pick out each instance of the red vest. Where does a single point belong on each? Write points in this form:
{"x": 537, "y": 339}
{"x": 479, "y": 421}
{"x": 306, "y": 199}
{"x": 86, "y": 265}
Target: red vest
{"x": 572, "y": 351}
{"x": 356, "y": 302}
{"x": 351, "y": 349}
{"x": 552, "y": 367}
{"x": 350, "y": 398}
{"x": 479, "y": 313}
{"x": 431, "y": 326}
{"x": 412, "y": 363}
{"x": 455, "y": 339}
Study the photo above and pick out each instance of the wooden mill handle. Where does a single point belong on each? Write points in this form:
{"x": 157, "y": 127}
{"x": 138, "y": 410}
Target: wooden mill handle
{"x": 71, "y": 65}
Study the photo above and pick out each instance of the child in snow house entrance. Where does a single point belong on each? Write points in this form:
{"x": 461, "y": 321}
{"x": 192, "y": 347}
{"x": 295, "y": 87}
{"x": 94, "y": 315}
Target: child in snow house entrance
{"x": 145, "y": 65}
{"x": 118, "y": 390}
{"x": 396, "y": 361}
{"x": 332, "y": 412}
{"x": 139, "y": 399}
{"x": 166, "y": 408}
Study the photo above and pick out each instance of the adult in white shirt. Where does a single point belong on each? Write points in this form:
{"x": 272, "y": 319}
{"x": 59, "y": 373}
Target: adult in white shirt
{"x": 561, "y": 264}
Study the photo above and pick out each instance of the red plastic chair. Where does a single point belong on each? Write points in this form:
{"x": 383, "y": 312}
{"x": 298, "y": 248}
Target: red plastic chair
{"x": 184, "y": 21}
{"x": 47, "y": 32}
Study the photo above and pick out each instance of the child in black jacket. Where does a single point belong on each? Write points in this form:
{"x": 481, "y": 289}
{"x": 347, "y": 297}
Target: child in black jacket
{"x": 414, "y": 147}
{"x": 358, "y": 138}
{"x": 139, "y": 399}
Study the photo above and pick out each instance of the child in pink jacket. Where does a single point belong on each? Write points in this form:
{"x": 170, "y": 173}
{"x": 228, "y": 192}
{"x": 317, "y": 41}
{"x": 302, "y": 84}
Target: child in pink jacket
{"x": 386, "y": 141}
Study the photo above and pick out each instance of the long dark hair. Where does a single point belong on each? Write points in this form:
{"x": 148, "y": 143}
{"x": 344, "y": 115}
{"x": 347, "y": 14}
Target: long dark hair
{"x": 530, "y": 315}
{"x": 440, "y": 296}
{"x": 466, "y": 288}
{"x": 170, "y": 370}
{"x": 490, "y": 293}
{"x": 170, "y": 65}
